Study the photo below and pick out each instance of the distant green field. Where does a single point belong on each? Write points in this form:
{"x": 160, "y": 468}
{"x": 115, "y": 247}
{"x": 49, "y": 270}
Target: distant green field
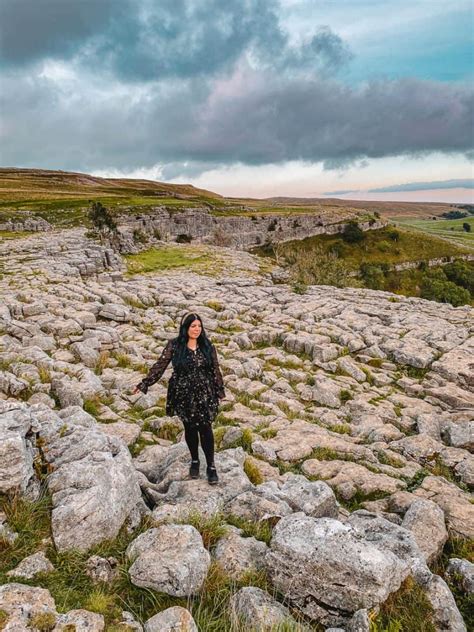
{"x": 451, "y": 229}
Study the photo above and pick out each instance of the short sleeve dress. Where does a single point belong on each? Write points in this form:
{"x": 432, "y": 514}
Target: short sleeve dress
{"x": 193, "y": 392}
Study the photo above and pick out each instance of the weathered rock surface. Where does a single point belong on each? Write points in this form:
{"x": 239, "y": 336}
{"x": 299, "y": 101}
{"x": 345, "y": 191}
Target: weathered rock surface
{"x": 175, "y": 619}
{"x": 254, "y": 608}
{"x": 16, "y": 450}
{"x": 237, "y": 555}
{"x": 425, "y": 519}
{"x": 352, "y": 573}
{"x": 455, "y": 503}
{"x": 92, "y": 481}
{"x": 169, "y": 559}
{"x": 351, "y": 387}
{"x": 31, "y": 566}
{"x": 446, "y": 614}
{"x": 21, "y": 602}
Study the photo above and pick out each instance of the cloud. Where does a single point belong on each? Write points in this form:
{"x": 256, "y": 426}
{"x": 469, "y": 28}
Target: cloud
{"x": 460, "y": 183}
{"x": 34, "y": 29}
{"x": 466, "y": 183}
{"x": 144, "y": 40}
{"x": 192, "y": 85}
{"x": 251, "y": 118}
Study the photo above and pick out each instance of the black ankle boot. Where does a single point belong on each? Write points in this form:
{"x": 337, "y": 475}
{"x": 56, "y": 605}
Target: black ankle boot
{"x": 194, "y": 469}
{"x": 212, "y": 477}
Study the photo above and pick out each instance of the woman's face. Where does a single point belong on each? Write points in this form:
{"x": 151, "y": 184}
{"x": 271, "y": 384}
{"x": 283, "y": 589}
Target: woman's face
{"x": 194, "y": 329}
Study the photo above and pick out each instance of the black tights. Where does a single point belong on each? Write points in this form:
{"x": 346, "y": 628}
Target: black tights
{"x": 192, "y": 436}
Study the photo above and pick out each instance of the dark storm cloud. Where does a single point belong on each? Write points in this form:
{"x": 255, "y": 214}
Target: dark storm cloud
{"x": 33, "y": 29}
{"x": 257, "y": 119}
{"x": 195, "y": 84}
{"x": 147, "y": 40}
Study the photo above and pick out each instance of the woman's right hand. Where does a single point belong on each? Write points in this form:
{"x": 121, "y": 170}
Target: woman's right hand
{"x": 136, "y": 390}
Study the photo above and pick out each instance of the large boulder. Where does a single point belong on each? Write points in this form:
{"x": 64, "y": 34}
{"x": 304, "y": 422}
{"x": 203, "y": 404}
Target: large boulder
{"x": 328, "y": 570}
{"x": 170, "y": 559}
{"x": 93, "y": 482}
{"x": 390, "y": 537}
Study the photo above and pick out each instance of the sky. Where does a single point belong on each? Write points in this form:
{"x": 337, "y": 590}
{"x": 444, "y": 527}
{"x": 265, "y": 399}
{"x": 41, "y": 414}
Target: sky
{"x": 358, "y": 99}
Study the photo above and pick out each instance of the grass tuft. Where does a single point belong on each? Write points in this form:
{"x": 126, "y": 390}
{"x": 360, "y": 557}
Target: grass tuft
{"x": 252, "y": 471}
{"x": 43, "y": 621}
{"x": 211, "y": 528}
{"x": 406, "y": 609}
{"x": 261, "y": 530}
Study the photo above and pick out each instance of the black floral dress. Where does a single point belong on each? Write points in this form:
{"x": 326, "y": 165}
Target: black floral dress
{"x": 193, "y": 392}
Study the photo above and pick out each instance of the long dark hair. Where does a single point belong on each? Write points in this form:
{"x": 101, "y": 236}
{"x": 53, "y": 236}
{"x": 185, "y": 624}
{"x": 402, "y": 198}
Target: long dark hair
{"x": 181, "y": 341}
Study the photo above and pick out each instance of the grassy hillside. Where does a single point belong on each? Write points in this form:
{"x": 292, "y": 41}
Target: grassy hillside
{"x": 449, "y": 229}
{"x": 388, "y": 245}
{"x": 330, "y": 260}
{"x": 62, "y": 198}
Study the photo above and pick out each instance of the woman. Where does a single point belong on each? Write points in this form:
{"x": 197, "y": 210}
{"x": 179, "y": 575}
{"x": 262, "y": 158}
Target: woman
{"x": 194, "y": 388}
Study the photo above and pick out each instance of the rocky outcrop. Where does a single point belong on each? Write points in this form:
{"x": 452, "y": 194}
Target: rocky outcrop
{"x": 17, "y": 451}
{"x": 238, "y": 230}
{"x": 33, "y": 224}
{"x": 346, "y": 427}
{"x": 92, "y": 479}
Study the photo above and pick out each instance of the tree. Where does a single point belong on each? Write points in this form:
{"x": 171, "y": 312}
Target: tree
{"x": 373, "y": 276}
{"x": 467, "y": 227}
{"x": 318, "y": 268}
{"x": 352, "y": 233}
{"x": 102, "y": 219}
{"x": 436, "y": 287}
{"x": 462, "y": 273}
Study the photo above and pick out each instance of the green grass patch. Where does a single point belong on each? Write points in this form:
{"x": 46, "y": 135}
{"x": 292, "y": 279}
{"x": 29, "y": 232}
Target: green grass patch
{"x": 387, "y": 459}
{"x": 356, "y": 502}
{"x": 171, "y": 257}
{"x": 449, "y": 229}
{"x": 259, "y": 530}
{"x": 345, "y": 395}
{"x": 92, "y": 406}
{"x": 408, "y": 609}
{"x": 211, "y": 528}
{"x": 7, "y": 234}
